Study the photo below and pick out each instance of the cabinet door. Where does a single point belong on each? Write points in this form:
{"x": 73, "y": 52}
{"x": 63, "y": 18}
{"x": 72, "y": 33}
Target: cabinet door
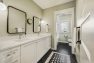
{"x": 43, "y": 46}
{"x": 40, "y": 49}
{"x": 47, "y": 43}
{"x": 28, "y": 53}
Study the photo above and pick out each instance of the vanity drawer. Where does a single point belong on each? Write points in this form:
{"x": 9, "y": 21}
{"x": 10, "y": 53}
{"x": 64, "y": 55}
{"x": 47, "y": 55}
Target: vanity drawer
{"x": 17, "y": 60}
{"x": 10, "y": 55}
{"x": 14, "y": 53}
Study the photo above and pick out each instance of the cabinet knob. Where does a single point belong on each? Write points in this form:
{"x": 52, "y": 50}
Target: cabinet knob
{"x": 15, "y": 61}
{"x": 8, "y": 55}
{"x": 14, "y": 52}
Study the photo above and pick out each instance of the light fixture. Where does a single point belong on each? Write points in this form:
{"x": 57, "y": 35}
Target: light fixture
{"x": 2, "y": 6}
{"x": 43, "y": 22}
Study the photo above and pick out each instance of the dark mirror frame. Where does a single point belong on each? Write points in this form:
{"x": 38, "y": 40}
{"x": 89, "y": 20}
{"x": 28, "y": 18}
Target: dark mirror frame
{"x": 8, "y": 20}
{"x": 34, "y": 17}
{"x": 1, "y": 0}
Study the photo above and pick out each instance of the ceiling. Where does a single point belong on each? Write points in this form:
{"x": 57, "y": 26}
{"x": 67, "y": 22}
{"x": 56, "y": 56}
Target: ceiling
{"x": 50, "y": 3}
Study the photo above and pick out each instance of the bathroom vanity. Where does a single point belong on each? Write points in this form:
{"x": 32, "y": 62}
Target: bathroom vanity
{"x": 29, "y": 49}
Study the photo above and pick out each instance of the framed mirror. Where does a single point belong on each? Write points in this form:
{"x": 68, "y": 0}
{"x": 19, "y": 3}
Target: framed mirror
{"x": 16, "y": 20}
{"x": 36, "y": 24}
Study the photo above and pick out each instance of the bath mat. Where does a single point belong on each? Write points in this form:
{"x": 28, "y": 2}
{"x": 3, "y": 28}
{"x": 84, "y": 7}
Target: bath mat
{"x": 58, "y": 58}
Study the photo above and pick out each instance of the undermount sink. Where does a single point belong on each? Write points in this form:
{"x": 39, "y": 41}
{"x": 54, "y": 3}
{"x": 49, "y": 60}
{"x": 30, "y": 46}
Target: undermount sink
{"x": 20, "y": 40}
{"x": 25, "y": 39}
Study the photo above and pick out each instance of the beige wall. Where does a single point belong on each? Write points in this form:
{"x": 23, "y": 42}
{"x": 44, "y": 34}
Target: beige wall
{"x": 26, "y": 5}
{"x": 32, "y": 10}
{"x": 48, "y": 15}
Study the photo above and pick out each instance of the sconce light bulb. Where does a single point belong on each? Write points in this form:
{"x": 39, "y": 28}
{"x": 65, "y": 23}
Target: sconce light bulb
{"x": 2, "y": 6}
{"x": 43, "y": 22}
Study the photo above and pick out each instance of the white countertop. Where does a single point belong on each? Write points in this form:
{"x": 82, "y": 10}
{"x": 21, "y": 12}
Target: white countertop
{"x": 10, "y": 42}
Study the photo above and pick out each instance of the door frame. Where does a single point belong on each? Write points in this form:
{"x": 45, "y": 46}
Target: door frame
{"x": 55, "y": 20}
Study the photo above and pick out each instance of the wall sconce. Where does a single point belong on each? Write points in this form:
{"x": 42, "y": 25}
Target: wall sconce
{"x": 43, "y": 22}
{"x": 45, "y": 25}
{"x": 2, "y": 6}
{"x": 47, "y": 28}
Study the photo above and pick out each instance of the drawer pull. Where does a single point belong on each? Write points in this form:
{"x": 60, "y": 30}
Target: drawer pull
{"x": 15, "y": 61}
{"x": 8, "y": 55}
{"x": 14, "y": 52}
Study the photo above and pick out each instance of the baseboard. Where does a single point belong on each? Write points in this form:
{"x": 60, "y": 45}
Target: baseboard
{"x": 53, "y": 49}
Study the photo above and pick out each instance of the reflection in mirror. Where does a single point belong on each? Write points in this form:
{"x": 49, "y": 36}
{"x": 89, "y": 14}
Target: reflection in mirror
{"x": 16, "y": 21}
{"x": 36, "y": 24}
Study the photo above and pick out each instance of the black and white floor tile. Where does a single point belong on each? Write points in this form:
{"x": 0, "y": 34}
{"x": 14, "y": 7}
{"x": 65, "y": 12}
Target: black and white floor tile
{"x": 58, "y": 58}
{"x": 63, "y": 54}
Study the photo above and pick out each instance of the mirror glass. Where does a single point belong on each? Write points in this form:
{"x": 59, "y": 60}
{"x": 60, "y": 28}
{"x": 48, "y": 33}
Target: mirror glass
{"x": 36, "y": 24}
{"x": 16, "y": 20}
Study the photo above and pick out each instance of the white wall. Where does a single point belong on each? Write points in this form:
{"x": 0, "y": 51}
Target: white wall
{"x": 26, "y": 5}
{"x": 48, "y": 15}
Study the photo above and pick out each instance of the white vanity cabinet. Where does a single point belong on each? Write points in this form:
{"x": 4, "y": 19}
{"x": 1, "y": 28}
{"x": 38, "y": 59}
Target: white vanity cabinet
{"x": 48, "y": 43}
{"x": 40, "y": 49}
{"x": 10, "y": 56}
{"x": 28, "y": 52}
{"x": 33, "y": 51}
{"x": 43, "y": 45}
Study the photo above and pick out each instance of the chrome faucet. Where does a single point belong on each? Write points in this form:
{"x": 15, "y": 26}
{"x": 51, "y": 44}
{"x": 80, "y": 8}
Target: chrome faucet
{"x": 19, "y": 33}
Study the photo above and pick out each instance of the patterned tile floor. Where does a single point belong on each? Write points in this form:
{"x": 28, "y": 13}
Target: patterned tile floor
{"x": 59, "y": 58}
{"x": 62, "y": 48}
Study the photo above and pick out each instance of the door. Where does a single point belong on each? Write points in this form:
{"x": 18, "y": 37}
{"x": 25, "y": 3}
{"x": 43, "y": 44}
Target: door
{"x": 28, "y": 53}
{"x": 85, "y": 38}
{"x": 64, "y": 24}
{"x": 41, "y": 50}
